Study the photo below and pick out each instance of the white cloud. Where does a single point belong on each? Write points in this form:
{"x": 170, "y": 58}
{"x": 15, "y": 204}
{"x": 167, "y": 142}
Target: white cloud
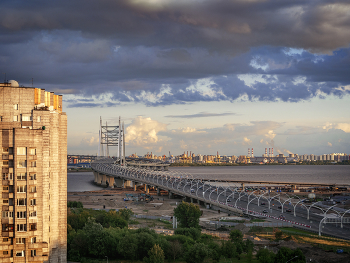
{"x": 246, "y": 141}
{"x": 90, "y": 141}
{"x": 144, "y": 132}
{"x": 345, "y": 127}
{"x": 329, "y": 144}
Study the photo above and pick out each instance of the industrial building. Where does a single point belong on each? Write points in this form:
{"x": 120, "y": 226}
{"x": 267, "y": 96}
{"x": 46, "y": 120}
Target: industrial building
{"x": 33, "y": 141}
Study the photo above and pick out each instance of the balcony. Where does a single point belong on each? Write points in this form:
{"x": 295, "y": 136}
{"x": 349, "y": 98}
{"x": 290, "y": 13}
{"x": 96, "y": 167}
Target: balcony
{"x": 38, "y": 245}
{"x": 32, "y": 182}
{"x": 7, "y": 220}
{"x": 7, "y": 260}
{"x": 38, "y": 258}
{"x": 5, "y": 195}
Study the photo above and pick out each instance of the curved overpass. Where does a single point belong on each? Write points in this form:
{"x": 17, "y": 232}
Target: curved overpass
{"x": 229, "y": 196}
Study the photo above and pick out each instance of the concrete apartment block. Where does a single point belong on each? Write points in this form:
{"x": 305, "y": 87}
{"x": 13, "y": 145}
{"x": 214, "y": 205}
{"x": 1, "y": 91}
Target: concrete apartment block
{"x": 33, "y": 163}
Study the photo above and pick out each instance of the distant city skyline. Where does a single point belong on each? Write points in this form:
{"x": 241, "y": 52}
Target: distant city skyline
{"x": 202, "y": 76}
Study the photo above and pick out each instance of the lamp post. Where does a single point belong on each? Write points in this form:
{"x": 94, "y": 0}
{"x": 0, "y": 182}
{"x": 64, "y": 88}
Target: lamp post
{"x": 107, "y": 258}
{"x": 292, "y": 259}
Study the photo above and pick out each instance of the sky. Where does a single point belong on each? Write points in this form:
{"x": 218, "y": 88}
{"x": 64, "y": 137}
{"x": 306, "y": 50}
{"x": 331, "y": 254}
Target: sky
{"x": 189, "y": 75}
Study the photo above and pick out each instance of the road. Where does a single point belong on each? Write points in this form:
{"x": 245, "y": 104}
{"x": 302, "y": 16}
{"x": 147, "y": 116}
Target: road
{"x": 272, "y": 205}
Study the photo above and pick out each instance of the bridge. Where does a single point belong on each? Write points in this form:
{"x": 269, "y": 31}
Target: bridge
{"x": 224, "y": 195}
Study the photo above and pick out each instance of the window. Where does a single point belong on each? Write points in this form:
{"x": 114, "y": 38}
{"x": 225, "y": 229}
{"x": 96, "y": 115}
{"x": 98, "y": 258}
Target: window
{"x": 7, "y": 228}
{"x": 32, "y": 176}
{"x": 5, "y": 252}
{"x": 21, "y": 189}
{"x": 21, "y": 201}
{"x": 5, "y": 240}
{"x": 15, "y": 118}
{"x": 32, "y": 151}
{"x": 7, "y": 176}
{"x": 6, "y": 214}
{"x": 15, "y": 106}
{"x": 5, "y": 201}
{"x": 5, "y": 188}
{"x": 21, "y": 163}
{"x": 32, "y": 201}
{"x": 26, "y": 118}
{"x": 21, "y": 150}
{"x": 33, "y": 189}
{"x": 33, "y": 253}
{"x": 20, "y": 240}
{"x": 5, "y": 149}
{"x": 33, "y": 240}
{"x": 32, "y": 227}
{"x": 32, "y": 214}
{"x": 21, "y": 227}
{"x": 22, "y": 214}
{"x": 20, "y": 253}
{"x": 38, "y": 118}
{"x": 5, "y": 163}
{"x": 33, "y": 164}
{"x": 21, "y": 176}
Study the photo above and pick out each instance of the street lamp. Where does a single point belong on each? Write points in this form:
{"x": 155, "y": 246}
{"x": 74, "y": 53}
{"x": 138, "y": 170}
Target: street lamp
{"x": 107, "y": 258}
{"x": 292, "y": 259}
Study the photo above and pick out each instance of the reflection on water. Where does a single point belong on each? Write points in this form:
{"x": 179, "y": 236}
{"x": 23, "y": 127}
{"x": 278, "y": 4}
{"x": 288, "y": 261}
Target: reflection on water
{"x": 79, "y": 182}
{"x": 328, "y": 174}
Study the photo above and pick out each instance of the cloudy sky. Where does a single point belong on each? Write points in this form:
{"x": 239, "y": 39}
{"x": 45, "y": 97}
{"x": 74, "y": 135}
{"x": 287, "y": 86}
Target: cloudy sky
{"x": 189, "y": 75}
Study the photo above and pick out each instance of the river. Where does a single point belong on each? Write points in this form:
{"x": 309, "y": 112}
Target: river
{"x": 327, "y": 174}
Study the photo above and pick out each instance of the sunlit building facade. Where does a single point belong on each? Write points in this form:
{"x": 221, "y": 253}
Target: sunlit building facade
{"x": 33, "y": 145}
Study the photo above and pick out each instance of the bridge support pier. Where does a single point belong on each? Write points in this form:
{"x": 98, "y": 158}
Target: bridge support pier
{"x": 146, "y": 189}
{"x": 104, "y": 179}
{"x": 111, "y": 181}
{"x": 158, "y": 191}
{"x": 191, "y": 200}
{"x": 170, "y": 195}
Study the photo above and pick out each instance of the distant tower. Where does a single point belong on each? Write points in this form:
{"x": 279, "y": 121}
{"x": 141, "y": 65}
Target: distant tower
{"x": 265, "y": 152}
{"x": 248, "y": 151}
{"x": 272, "y": 152}
{"x": 252, "y": 153}
{"x": 112, "y": 136}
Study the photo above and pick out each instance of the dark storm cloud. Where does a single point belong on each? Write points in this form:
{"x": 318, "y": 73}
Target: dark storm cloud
{"x": 201, "y": 115}
{"x": 129, "y": 47}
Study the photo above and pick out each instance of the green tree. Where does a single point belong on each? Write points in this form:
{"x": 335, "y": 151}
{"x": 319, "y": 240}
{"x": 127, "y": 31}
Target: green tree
{"x": 187, "y": 215}
{"x": 197, "y": 253}
{"x": 236, "y": 236}
{"x": 175, "y": 249}
{"x": 278, "y": 235}
{"x": 128, "y": 247}
{"x": 192, "y": 232}
{"x": 265, "y": 256}
{"x": 156, "y": 255}
{"x": 228, "y": 249}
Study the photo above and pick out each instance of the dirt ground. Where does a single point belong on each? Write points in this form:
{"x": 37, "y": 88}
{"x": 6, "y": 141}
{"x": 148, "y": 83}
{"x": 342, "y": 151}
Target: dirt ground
{"x": 163, "y": 206}
{"x": 114, "y": 199}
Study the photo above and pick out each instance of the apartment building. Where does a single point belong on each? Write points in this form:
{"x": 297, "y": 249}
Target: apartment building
{"x": 33, "y": 146}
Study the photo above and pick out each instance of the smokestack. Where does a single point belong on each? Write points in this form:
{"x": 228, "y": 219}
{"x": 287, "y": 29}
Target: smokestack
{"x": 265, "y": 152}
{"x": 272, "y": 152}
{"x": 187, "y": 153}
{"x": 248, "y": 151}
{"x": 252, "y": 153}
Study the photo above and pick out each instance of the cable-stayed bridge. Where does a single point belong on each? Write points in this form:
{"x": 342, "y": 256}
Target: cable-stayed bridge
{"x": 223, "y": 195}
